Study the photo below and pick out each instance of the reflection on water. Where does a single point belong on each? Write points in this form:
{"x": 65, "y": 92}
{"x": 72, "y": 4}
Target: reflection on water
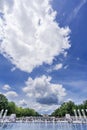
{"x": 42, "y": 126}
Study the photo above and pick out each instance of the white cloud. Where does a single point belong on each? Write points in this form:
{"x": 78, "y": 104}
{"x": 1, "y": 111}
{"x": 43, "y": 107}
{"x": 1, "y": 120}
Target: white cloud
{"x": 44, "y": 109}
{"x": 6, "y": 4}
{"x": 11, "y": 94}
{"x": 58, "y": 66}
{"x": 69, "y": 99}
{"x": 30, "y": 34}
{"x": 65, "y": 54}
{"x": 22, "y": 103}
{"x": 6, "y": 87}
{"x": 55, "y": 67}
{"x": 76, "y": 10}
{"x": 13, "y": 69}
{"x": 43, "y": 91}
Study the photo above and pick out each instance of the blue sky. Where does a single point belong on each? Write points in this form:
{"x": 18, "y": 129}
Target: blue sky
{"x": 43, "y": 52}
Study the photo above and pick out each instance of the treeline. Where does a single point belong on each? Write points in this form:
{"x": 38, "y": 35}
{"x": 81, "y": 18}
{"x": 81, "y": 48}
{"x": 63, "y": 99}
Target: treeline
{"x": 65, "y": 108}
{"x": 13, "y": 108}
{"x": 68, "y": 108}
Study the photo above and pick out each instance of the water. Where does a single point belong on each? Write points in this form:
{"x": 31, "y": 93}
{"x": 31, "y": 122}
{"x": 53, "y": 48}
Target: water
{"x": 43, "y": 126}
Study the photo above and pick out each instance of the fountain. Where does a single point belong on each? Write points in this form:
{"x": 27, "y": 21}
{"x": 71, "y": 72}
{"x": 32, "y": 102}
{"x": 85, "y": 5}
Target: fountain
{"x": 68, "y": 118}
{"x": 5, "y": 113}
{"x": 84, "y": 115}
{"x": 81, "y": 118}
{"x": 1, "y": 113}
{"x": 3, "y": 120}
{"x": 12, "y": 118}
{"x": 76, "y": 117}
{"x": 79, "y": 113}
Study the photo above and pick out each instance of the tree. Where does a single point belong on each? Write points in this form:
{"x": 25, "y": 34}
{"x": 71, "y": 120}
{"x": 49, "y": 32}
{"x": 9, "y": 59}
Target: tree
{"x": 19, "y": 111}
{"x": 11, "y": 108}
{"x": 85, "y": 104}
{"x": 65, "y": 108}
{"x": 70, "y": 107}
{"x": 3, "y": 102}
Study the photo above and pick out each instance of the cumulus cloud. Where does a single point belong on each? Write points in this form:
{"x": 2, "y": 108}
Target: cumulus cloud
{"x": 13, "y": 69}
{"x": 29, "y": 34}
{"x": 58, "y": 66}
{"x": 22, "y": 103}
{"x": 55, "y": 67}
{"x": 43, "y": 91}
{"x": 6, "y": 87}
{"x": 43, "y": 108}
{"x": 69, "y": 99}
{"x": 11, "y": 94}
{"x": 6, "y": 4}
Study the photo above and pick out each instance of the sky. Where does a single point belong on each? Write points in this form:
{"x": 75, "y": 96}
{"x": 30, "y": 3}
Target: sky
{"x": 43, "y": 52}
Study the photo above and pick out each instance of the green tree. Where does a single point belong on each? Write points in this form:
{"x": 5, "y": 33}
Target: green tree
{"x": 19, "y": 111}
{"x": 3, "y": 102}
{"x": 70, "y": 106}
{"x": 11, "y": 108}
{"x": 65, "y": 108}
{"x": 85, "y": 104}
